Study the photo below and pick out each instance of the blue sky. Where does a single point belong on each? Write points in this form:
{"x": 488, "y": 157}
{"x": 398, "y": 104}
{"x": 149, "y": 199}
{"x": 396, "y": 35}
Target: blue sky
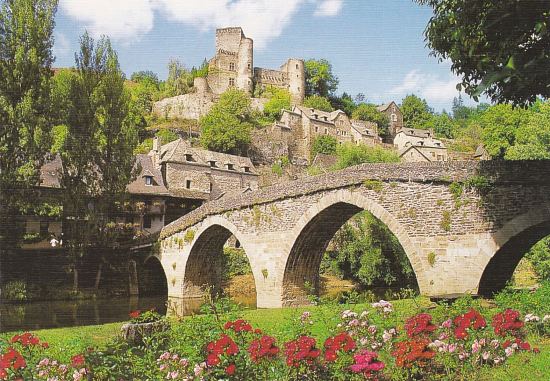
{"x": 376, "y": 47}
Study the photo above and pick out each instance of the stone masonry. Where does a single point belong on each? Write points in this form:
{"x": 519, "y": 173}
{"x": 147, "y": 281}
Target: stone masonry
{"x": 463, "y": 225}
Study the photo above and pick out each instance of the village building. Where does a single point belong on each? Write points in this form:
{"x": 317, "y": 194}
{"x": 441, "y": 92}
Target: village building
{"x": 416, "y": 145}
{"x": 233, "y": 67}
{"x": 173, "y": 180}
{"x": 395, "y": 116}
{"x": 297, "y": 129}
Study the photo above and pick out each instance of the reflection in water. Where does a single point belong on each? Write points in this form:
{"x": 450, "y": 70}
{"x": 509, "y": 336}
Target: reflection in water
{"x": 57, "y": 314}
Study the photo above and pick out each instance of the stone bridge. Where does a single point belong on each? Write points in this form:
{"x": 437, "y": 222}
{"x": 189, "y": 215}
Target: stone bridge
{"x": 463, "y": 225}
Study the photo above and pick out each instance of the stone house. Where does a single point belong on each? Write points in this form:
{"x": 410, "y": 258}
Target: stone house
{"x": 233, "y": 66}
{"x": 394, "y": 114}
{"x": 419, "y": 145}
{"x": 300, "y": 126}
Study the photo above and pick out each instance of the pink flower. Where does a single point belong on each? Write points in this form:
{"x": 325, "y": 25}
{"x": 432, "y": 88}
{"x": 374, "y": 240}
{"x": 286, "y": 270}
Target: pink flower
{"x": 447, "y": 323}
{"x": 509, "y": 351}
{"x": 485, "y": 355}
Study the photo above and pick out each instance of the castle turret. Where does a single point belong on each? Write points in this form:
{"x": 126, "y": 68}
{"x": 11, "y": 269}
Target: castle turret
{"x": 245, "y": 66}
{"x": 296, "y": 80}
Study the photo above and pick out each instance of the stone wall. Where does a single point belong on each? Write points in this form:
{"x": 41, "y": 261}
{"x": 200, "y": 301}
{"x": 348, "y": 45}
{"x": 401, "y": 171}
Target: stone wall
{"x": 188, "y": 106}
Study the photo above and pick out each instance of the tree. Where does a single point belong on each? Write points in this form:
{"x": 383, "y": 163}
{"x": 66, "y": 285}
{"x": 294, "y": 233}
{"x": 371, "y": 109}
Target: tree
{"x": 366, "y": 251}
{"x": 26, "y": 40}
{"x": 179, "y": 79}
{"x": 228, "y": 124}
{"x": 279, "y": 100}
{"x": 504, "y": 54}
{"x": 344, "y": 103}
{"x": 350, "y": 154}
{"x": 369, "y": 113}
{"x": 324, "y": 144}
{"x": 461, "y": 112}
{"x": 416, "y": 112}
{"x": 319, "y": 78}
{"x": 500, "y": 124}
{"x": 95, "y": 173}
{"x": 145, "y": 76}
{"x": 319, "y": 103}
{"x": 443, "y": 125}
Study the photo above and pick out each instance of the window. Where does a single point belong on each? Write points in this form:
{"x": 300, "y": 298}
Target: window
{"x": 296, "y": 66}
{"x": 148, "y": 180}
{"x": 393, "y": 118}
{"x": 326, "y": 131}
{"x": 246, "y": 169}
{"x": 147, "y": 222}
{"x": 188, "y": 157}
{"x": 316, "y": 128}
{"x": 232, "y": 82}
{"x": 248, "y": 65}
{"x": 212, "y": 163}
{"x": 230, "y": 166}
{"x": 188, "y": 184}
{"x": 211, "y": 187}
{"x": 44, "y": 228}
{"x": 232, "y": 66}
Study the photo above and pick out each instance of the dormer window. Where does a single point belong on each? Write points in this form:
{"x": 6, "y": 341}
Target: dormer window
{"x": 149, "y": 180}
{"x": 212, "y": 163}
{"x": 246, "y": 169}
{"x": 230, "y": 167}
{"x": 325, "y": 118}
{"x": 189, "y": 157}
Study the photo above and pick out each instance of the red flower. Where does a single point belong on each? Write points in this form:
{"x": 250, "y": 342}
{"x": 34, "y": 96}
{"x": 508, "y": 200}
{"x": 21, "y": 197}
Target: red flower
{"x": 413, "y": 352}
{"x": 77, "y": 361}
{"x": 470, "y": 320}
{"x": 12, "y": 359}
{"x": 523, "y": 345}
{"x": 224, "y": 345}
{"x": 134, "y": 314}
{"x": 230, "y": 370}
{"x": 301, "y": 349}
{"x": 238, "y": 326}
{"x": 341, "y": 342}
{"x": 263, "y": 348}
{"x": 26, "y": 339}
{"x": 419, "y": 325}
{"x": 3, "y": 374}
{"x": 507, "y": 322}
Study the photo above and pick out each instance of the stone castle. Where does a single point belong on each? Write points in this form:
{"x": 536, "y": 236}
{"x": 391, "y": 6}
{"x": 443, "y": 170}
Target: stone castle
{"x": 233, "y": 66}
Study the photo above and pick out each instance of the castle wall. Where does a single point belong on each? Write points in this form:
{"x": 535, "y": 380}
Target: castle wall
{"x": 187, "y": 106}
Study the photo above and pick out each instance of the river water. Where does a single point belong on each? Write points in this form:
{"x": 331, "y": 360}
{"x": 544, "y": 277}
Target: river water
{"x": 57, "y": 314}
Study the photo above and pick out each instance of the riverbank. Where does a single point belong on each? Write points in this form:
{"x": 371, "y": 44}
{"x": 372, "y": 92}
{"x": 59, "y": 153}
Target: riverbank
{"x": 284, "y": 323}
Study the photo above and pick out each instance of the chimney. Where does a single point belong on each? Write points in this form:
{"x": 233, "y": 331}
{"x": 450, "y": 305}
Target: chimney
{"x": 156, "y": 144}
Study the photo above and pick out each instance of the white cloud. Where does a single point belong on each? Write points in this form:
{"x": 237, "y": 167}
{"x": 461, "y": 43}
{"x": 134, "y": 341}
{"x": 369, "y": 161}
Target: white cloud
{"x": 125, "y": 20}
{"x": 436, "y": 90}
{"x": 61, "y": 46}
{"x": 329, "y": 8}
{"x": 119, "y": 19}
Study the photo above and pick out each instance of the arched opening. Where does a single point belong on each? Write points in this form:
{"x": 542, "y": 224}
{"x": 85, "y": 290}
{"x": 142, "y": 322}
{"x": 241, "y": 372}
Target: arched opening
{"x": 218, "y": 263}
{"x": 502, "y": 265}
{"x": 152, "y": 280}
{"x": 302, "y": 270}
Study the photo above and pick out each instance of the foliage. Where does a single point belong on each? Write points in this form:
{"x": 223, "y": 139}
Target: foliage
{"x": 149, "y": 316}
{"x": 15, "y": 290}
{"x": 318, "y": 103}
{"x": 279, "y": 100}
{"x": 319, "y": 78}
{"x": 180, "y": 79}
{"x": 416, "y": 112}
{"x": 228, "y": 124}
{"x": 369, "y": 112}
{"x": 26, "y": 40}
{"x": 325, "y": 144}
{"x": 345, "y": 102}
{"x": 443, "y": 125}
{"x": 505, "y": 54}
{"x": 235, "y": 262}
{"x": 367, "y": 252}
{"x": 145, "y": 76}
{"x": 539, "y": 256}
{"x": 350, "y": 154}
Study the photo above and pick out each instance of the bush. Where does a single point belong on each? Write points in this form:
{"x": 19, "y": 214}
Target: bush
{"x": 235, "y": 262}
{"x": 324, "y": 144}
{"x": 539, "y": 256}
{"x": 350, "y": 154}
{"x": 279, "y": 100}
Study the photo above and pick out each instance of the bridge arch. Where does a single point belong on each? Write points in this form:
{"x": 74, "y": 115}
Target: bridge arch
{"x": 316, "y": 228}
{"x": 512, "y": 242}
{"x": 152, "y": 280}
{"x": 203, "y": 268}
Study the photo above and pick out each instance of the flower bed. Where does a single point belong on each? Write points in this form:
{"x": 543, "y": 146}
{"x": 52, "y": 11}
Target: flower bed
{"x": 369, "y": 344}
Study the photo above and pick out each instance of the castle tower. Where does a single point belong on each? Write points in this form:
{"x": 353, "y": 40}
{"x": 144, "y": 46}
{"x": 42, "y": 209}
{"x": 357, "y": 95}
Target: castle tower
{"x": 296, "y": 80}
{"x": 232, "y": 66}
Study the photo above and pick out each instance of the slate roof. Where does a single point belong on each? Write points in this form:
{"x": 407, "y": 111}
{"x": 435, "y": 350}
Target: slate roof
{"x": 364, "y": 128}
{"x": 177, "y": 150}
{"x": 418, "y": 133}
{"x": 138, "y": 186}
{"x": 384, "y": 106}
{"x": 322, "y": 116}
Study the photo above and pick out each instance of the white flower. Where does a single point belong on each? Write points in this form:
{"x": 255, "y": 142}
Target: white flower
{"x": 531, "y": 318}
{"x": 509, "y": 351}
